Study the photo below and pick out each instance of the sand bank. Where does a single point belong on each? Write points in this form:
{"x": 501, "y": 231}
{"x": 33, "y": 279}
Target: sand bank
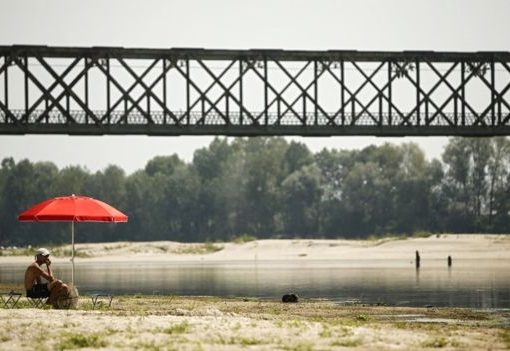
{"x": 186, "y": 323}
{"x": 193, "y": 323}
{"x": 460, "y": 247}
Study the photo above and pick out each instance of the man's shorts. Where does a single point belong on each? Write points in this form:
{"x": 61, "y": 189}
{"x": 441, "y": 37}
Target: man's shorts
{"x": 39, "y": 290}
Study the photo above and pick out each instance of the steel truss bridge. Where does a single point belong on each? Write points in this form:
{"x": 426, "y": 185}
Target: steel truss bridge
{"x": 111, "y": 90}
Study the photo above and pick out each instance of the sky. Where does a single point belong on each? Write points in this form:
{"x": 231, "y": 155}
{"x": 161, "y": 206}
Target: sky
{"x": 392, "y": 25}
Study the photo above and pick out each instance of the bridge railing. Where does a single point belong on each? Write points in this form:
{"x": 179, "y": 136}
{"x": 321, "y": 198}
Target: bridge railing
{"x": 185, "y": 119}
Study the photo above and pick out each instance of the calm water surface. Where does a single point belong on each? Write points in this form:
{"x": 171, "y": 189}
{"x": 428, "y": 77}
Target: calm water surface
{"x": 467, "y": 284}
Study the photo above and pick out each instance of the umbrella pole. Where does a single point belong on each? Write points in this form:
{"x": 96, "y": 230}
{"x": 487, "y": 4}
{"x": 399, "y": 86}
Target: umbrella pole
{"x": 72, "y": 257}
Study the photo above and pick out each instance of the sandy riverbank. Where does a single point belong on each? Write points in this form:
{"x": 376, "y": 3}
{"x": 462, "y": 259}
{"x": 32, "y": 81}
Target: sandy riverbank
{"x": 208, "y": 323}
{"x": 194, "y": 323}
{"x": 460, "y": 247}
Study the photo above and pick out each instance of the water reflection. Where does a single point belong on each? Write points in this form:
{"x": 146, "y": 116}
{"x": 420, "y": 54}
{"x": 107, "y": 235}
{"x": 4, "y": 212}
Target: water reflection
{"x": 469, "y": 285}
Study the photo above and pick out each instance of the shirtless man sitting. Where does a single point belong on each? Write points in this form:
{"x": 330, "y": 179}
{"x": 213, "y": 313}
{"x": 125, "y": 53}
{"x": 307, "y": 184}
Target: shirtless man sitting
{"x": 33, "y": 283}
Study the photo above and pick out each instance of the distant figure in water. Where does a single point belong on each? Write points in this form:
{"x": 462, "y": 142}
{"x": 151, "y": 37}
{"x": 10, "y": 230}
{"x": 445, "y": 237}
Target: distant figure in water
{"x": 34, "y": 286}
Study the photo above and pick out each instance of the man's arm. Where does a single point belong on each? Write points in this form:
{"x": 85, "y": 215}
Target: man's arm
{"x": 48, "y": 264}
{"x": 46, "y": 275}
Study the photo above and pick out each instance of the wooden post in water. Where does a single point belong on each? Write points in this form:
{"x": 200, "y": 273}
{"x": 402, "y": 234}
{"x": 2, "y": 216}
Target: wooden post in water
{"x": 449, "y": 261}
{"x": 417, "y": 261}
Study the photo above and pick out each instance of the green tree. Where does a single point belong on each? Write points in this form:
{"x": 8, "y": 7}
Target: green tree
{"x": 24, "y": 185}
{"x": 140, "y": 206}
{"x": 296, "y": 156}
{"x": 211, "y": 167}
{"x": 499, "y": 185}
{"x": 71, "y": 180}
{"x": 416, "y": 187}
{"x": 466, "y": 184}
{"x": 301, "y": 201}
{"x": 261, "y": 172}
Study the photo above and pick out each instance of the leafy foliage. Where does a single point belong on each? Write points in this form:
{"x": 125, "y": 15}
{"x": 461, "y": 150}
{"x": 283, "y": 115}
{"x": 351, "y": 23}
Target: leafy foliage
{"x": 267, "y": 187}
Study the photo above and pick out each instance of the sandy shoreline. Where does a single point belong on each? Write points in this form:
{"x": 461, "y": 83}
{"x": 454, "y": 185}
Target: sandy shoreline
{"x": 460, "y": 247}
{"x": 209, "y": 323}
{"x": 186, "y": 323}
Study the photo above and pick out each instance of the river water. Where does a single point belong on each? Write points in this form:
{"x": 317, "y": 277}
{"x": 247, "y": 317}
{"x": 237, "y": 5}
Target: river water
{"x": 471, "y": 284}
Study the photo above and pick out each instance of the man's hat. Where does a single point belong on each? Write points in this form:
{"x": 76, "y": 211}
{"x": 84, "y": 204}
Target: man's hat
{"x": 42, "y": 251}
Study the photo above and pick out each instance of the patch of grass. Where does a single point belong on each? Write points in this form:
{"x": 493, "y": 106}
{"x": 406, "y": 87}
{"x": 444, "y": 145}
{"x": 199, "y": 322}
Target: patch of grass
{"x": 238, "y": 340}
{"x": 246, "y": 341}
{"x": 505, "y": 336}
{"x": 210, "y": 247}
{"x": 299, "y": 347}
{"x": 466, "y": 313}
{"x": 64, "y": 252}
{"x": 294, "y": 323}
{"x": 362, "y": 317}
{"x": 162, "y": 248}
{"x": 69, "y": 325}
{"x": 198, "y": 249}
{"x": 115, "y": 247}
{"x": 5, "y": 287}
{"x": 422, "y": 234}
{"x": 347, "y": 342}
{"x": 279, "y": 323}
{"x": 78, "y": 341}
{"x": 382, "y": 239}
{"x": 149, "y": 346}
{"x": 401, "y": 325}
{"x": 438, "y": 342}
{"x": 275, "y": 311}
{"x": 180, "y": 328}
{"x": 243, "y": 238}
{"x": 236, "y": 327}
{"x": 325, "y": 332}
{"x": 18, "y": 251}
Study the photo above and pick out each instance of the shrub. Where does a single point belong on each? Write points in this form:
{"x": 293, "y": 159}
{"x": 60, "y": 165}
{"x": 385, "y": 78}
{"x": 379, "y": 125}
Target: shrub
{"x": 243, "y": 238}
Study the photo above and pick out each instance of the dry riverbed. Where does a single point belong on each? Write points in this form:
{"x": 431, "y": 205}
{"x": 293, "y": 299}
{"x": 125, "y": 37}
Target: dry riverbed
{"x": 209, "y": 323}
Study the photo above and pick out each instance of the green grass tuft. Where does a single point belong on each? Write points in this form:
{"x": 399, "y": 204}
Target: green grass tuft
{"x": 18, "y": 251}
{"x": 505, "y": 335}
{"x": 78, "y": 341}
{"x": 243, "y": 238}
{"x": 180, "y": 328}
{"x": 347, "y": 342}
{"x": 362, "y": 317}
{"x": 438, "y": 342}
{"x": 248, "y": 341}
{"x": 422, "y": 234}
{"x": 64, "y": 252}
{"x": 199, "y": 249}
{"x": 299, "y": 347}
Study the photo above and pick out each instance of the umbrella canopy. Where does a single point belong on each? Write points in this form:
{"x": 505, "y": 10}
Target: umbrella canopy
{"x": 72, "y": 209}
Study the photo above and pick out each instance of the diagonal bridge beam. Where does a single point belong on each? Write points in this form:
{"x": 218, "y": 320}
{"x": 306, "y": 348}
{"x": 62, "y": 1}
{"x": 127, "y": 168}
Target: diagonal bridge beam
{"x": 190, "y": 91}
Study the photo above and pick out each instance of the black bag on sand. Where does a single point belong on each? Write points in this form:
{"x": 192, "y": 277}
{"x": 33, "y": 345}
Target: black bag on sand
{"x": 290, "y": 298}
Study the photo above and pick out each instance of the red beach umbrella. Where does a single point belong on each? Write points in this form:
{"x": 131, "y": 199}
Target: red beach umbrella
{"x": 72, "y": 209}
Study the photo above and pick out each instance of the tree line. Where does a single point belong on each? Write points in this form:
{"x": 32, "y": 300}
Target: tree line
{"x": 272, "y": 188}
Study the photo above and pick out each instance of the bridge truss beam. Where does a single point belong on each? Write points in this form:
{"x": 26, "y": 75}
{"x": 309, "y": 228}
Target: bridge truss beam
{"x": 109, "y": 90}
